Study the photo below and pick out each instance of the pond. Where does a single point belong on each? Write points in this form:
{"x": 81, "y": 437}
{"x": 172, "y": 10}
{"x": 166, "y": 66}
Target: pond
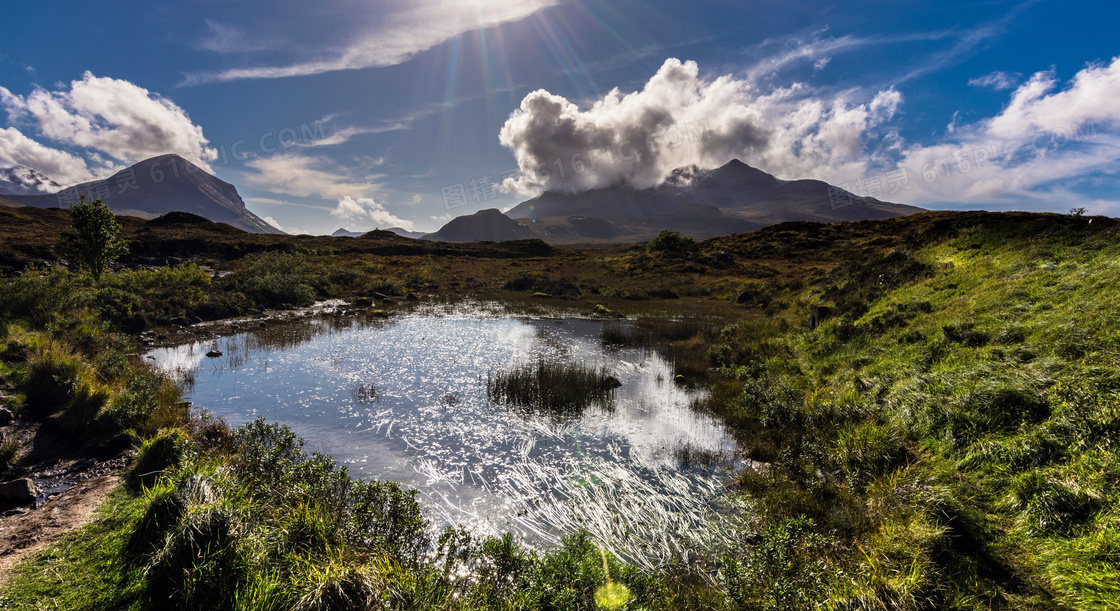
{"x": 406, "y": 399}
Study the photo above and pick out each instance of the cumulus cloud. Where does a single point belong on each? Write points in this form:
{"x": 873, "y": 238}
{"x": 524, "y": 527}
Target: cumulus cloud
{"x": 16, "y": 149}
{"x": 1045, "y": 135}
{"x": 393, "y": 32}
{"x": 114, "y": 117}
{"x": 303, "y": 176}
{"x": 272, "y": 221}
{"x": 997, "y": 80}
{"x": 1049, "y": 135}
{"x": 680, "y": 119}
{"x": 364, "y": 212}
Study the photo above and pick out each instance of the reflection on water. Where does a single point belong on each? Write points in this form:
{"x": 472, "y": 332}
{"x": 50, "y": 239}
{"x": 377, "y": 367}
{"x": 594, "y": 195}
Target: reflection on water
{"x": 405, "y": 400}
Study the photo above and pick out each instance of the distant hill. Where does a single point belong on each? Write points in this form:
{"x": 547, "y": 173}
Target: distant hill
{"x": 404, "y": 233}
{"x": 702, "y": 203}
{"x": 25, "y": 181}
{"x": 483, "y": 226}
{"x": 159, "y": 185}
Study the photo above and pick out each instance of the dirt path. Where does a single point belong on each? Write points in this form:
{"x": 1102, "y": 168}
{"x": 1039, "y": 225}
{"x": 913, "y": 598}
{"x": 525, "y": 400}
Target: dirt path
{"x": 26, "y": 533}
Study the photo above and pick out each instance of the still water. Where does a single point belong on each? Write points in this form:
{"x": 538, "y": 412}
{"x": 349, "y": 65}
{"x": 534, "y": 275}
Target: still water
{"x": 405, "y": 399}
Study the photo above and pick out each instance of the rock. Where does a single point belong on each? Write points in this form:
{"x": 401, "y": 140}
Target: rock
{"x": 541, "y": 295}
{"x": 362, "y": 302}
{"x": 182, "y": 321}
{"x": 380, "y": 295}
{"x": 611, "y": 383}
{"x": 602, "y": 310}
{"x": 214, "y": 353}
{"x": 6, "y": 416}
{"x": 412, "y": 297}
{"x": 17, "y": 493}
{"x": 817, "y": 314}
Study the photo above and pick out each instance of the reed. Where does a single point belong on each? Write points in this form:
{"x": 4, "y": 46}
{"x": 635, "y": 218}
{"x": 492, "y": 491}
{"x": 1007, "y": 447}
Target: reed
{"x": 560, "y": 389}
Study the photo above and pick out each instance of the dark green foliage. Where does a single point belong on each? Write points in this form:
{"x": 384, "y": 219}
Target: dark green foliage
{"x": 372, "y": 515}
{"x": 672, "y": 242}
{"x": 95, "y": 242}
{"x": 786, "y": 569}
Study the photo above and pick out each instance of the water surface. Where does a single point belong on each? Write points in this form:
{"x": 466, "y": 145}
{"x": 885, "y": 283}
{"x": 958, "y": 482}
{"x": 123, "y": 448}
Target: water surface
{"x": 405, "y": 400}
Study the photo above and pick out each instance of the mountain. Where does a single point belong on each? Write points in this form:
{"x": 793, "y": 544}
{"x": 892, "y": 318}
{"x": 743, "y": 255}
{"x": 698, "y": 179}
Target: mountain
{"x": 404, "y": 233}
{"x": 704, "y": 203}
{"x": 483, "y": 226}
{"x": 25, "y": 181}
{"x": 159, "y": 185}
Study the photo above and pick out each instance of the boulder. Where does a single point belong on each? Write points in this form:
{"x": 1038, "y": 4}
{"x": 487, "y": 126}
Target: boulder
{"x": 214, "y": 353}
{"x": 17, "y": 493}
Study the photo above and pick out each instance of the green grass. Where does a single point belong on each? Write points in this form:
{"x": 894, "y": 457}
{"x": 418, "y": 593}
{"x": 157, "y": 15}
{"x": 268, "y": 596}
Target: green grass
{"x": 946, "y": 440}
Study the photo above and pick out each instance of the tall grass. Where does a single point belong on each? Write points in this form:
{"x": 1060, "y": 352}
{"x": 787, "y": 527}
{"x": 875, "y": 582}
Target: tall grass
{"x": 560, "y": 389}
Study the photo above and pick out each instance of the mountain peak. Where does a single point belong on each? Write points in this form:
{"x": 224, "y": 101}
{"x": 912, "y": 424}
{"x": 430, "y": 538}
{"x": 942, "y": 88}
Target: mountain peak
{"x": 21, "y": 180}
{"x": 158, "y": 185}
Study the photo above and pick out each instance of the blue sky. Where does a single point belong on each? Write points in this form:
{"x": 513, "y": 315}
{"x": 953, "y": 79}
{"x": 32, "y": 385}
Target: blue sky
{"x": 377, "y": 113}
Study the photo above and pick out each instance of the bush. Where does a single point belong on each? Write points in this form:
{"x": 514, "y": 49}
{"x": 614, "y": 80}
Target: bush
{"x": 786, "y": 569}
{"x": 671, "y": 241}
{"x": 121, "y": 308}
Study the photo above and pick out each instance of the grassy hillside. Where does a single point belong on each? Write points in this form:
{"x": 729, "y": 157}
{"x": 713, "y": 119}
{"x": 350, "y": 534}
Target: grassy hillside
{"x": 944, "y": 439}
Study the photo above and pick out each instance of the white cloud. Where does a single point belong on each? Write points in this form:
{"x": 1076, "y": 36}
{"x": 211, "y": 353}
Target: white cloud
{"x": 365, "y": 213}
{"x": 303, "y": 176}
{"x": 224, "y": 38}
{"x": 272, "y": 221}
{"x": 997, "y": 80}
{"x": 115, "y": 117}
{"x": 1046, "y": 135}
{"x": 16, "y": 149}
{"x": 680, "y": 119}
{"x": 396, "y": 31}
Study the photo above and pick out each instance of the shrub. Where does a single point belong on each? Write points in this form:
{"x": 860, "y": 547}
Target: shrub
{"x": 786, "y": 568}
{"x": 671, "y": 241}
{"x": 121, "y": 308}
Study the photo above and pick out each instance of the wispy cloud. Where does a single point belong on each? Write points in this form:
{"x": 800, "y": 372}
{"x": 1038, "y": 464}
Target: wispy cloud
{"x": 997, "y": 80}
{"x": 304, "y": 176}
{"x": 401, "y": 29}
{"x": 367, "y": 213}
{"x": 230, "y": 39}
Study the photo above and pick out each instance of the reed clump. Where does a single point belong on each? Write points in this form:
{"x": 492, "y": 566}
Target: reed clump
{"x": 560, "y": 389}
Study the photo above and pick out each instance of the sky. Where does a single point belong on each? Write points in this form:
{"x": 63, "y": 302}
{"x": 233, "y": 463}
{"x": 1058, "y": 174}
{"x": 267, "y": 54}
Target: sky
{"x": 407, "y": 113}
